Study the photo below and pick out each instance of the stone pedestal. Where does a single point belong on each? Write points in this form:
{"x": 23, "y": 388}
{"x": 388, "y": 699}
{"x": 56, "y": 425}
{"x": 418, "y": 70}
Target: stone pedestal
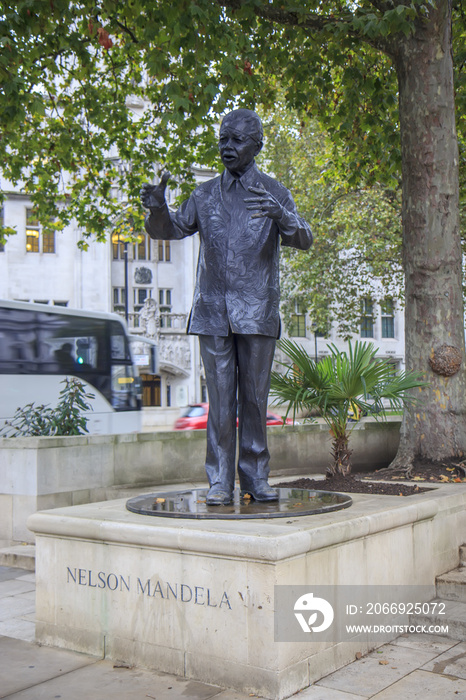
{"x": 196, "y": 598}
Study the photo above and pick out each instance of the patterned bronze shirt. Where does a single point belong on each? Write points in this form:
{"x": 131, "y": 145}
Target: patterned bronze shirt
{"x": 237, "y": 283}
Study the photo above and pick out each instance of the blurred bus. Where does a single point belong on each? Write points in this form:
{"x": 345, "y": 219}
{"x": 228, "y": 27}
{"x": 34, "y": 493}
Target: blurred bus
{"x": 40, "y": 345}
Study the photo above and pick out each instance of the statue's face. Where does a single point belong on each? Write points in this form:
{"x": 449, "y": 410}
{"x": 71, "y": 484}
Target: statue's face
{"x": 237, "y": 148}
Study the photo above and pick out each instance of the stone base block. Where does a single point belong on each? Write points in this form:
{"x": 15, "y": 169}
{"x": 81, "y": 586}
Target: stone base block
{"x": 196, "y": 598}
{"x": 20, "y": 556}
{"x": 452, "y": 585}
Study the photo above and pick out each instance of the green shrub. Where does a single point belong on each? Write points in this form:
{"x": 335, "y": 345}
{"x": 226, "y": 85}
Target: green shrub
{"x": 67, "y": 418}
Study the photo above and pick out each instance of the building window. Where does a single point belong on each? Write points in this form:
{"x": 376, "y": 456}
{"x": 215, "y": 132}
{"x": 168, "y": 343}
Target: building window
{"x": 165, "y": 307}
{"x": 142, "y": 247}
{"x": 119, "y": 297}
{"x": 165, "y": 301}
{"x": 367, "y": 318}
{"x": 140, "y": 296}
{"x": 164, "y": 251}
{"x": 118, "y": 247}
{"x": 33, "y": 235}
{"x": 204, "y": 395}
{"x": 32, "y": 231}
{"x": 388, "y": 318}
{"x": 48, "y": 241}
{"x": 298, "y": 321}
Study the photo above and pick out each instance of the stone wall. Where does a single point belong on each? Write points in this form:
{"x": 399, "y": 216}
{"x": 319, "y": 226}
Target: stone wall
{"x": 42, "y": 473}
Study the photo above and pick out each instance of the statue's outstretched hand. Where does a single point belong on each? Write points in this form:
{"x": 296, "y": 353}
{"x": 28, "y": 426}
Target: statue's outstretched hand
{"x": 264, "y": 204}
{"x": 153, "y": 196}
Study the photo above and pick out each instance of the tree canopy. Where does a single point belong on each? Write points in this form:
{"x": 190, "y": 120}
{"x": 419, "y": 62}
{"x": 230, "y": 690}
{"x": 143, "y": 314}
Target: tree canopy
{"x": 74, "y": 77}
{"x": 357, "y": 246}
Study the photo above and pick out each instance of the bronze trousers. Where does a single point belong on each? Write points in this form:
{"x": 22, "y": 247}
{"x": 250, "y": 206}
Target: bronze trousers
{"x": 237, "y": 371}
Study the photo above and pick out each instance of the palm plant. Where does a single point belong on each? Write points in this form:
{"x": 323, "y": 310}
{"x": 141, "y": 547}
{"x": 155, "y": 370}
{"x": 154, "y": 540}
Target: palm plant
{"x": 337, "y": 383}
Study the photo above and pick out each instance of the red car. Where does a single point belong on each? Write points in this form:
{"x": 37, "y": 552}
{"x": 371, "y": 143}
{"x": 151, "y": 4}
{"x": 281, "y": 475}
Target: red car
{"x": 195, "y": 418}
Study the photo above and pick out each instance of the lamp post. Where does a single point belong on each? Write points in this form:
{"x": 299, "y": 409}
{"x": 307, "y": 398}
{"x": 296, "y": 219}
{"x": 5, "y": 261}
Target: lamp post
{"x": 120, "y": 236}
{"x": 315, "y": 331}
{"x": 125, "y": 253}
{"x": 124, "y": 168}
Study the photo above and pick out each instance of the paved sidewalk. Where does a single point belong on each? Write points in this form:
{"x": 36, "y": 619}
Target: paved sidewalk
{"x": 413, "y": 667}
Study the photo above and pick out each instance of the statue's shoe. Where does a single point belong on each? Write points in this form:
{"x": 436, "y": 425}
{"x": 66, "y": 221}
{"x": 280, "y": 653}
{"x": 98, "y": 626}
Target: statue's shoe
{"x": 260, "y": 490}
{"x": 218, "y": 495}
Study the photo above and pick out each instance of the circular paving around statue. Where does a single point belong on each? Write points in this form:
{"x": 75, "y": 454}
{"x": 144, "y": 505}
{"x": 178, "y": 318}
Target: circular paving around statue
{"x": 191, "y": 504}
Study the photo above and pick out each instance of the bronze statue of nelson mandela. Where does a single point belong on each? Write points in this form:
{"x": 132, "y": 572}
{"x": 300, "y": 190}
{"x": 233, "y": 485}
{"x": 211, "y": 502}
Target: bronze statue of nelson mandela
{"x": 242, "y": 217}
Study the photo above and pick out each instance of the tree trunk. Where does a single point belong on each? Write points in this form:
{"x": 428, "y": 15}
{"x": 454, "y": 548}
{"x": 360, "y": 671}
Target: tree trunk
{"x": 341, "y": 456}
{"x": 435, "y": 428}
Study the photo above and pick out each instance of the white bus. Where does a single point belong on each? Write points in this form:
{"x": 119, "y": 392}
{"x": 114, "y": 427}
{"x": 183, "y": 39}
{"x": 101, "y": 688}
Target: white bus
{"x": 40, "y": 345}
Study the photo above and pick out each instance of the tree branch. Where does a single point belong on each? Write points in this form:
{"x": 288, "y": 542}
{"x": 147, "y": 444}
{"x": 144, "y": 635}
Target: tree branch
{"x": 126, "y": 29}
{"x": 311, "y": 21}
{"x": 284, "y": 16}
{"x": 383, "y": 6}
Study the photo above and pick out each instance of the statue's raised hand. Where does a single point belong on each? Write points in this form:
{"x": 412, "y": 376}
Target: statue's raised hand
{"x": 153, "y": 196}
{"x": 264, "y": 204}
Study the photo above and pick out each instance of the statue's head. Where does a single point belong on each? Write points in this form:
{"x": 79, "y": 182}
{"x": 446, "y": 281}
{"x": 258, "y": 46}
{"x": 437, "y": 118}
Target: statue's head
{"x": 240, "y": 140}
